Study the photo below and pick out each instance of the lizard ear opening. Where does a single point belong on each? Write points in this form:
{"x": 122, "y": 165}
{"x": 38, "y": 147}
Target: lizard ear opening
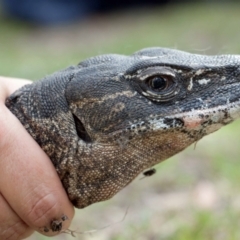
{"x": 81, "y": 131}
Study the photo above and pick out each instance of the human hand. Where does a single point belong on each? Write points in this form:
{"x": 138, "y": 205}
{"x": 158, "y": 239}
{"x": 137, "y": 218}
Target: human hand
{"x": 31, "y": 194}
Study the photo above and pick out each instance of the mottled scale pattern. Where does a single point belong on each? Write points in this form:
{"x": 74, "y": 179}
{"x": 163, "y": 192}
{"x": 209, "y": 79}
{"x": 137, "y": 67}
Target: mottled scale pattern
{"x": 105, "y": 120}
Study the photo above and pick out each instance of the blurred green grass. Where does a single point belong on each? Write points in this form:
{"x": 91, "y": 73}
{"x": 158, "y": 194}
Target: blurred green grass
{"x": 194, "y": 195}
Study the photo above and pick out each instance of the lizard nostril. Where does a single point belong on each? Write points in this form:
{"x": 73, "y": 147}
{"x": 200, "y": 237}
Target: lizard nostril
{"x": 81, "y": 131}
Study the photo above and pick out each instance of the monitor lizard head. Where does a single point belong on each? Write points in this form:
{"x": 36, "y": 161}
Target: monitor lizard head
{"x": 107, "y": 119}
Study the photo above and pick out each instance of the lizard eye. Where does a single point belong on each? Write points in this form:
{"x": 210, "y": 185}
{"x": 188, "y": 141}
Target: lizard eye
{"x": 158, "y": 84}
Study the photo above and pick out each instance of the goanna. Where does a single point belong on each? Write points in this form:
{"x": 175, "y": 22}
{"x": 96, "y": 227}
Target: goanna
{"x": 105, "y": 120}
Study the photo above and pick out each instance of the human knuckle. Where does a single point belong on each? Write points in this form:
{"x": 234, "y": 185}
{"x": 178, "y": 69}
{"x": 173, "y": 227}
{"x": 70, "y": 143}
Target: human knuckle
{"x": 43, "y": 210}
{"x": 14, "y": 231}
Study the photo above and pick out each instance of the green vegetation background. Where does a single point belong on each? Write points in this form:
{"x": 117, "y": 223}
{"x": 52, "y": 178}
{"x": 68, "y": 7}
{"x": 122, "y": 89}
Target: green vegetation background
{"x": 195, "y": 194}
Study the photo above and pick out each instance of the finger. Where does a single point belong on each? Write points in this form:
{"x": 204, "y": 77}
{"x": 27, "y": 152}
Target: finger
{"x": 9, "y": 85}
{"x": 11, "y": 226}
{"x": 28, "y": 179}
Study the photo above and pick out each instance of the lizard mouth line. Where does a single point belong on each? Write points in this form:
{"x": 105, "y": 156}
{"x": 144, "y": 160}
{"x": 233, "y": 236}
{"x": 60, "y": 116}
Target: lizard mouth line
{"x": 222, "y": 115}
{"x": 80, "y": 129}
{"x": 218, "y": 116}
{"x": 222, "y": 112}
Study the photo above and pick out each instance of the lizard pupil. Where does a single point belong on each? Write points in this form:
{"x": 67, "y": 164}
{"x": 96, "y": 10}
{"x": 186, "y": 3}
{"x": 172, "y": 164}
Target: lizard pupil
{"x": 158, "y": 83}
